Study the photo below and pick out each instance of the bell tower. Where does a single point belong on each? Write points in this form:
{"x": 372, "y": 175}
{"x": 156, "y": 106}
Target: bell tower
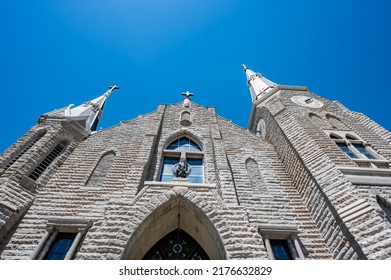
{"x": 28, "y": 164}
{"x": 339, "y": 161}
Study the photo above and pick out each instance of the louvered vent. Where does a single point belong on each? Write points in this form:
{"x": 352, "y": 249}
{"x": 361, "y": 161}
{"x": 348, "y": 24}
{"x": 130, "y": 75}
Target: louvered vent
{"x": 47, "y": 161}
{"x": 24, "y": 150}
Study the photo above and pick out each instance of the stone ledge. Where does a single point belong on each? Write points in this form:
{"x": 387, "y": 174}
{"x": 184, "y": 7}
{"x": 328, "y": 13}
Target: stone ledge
{"x": 354, "y": 210}
{"x": 179, "y": 184}
{"x": 367, "y": 176}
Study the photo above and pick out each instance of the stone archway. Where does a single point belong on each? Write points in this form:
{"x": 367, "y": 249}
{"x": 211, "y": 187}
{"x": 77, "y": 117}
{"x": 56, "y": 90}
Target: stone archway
{"x": 177, "y": 213}
{"x": 177, "y": 245}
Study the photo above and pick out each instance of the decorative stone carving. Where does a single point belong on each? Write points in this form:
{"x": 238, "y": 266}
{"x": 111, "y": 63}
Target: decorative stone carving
{"x": 182, "y": 169}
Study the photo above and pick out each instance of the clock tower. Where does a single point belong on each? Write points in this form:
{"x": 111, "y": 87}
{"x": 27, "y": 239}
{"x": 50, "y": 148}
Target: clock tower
{"x": 339, "y": 160}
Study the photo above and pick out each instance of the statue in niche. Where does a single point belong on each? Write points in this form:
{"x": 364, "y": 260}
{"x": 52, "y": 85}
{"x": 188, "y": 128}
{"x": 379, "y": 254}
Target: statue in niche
{"x": 182, "y": 169}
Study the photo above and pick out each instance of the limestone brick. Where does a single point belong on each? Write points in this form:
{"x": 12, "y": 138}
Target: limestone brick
{"x": 290, "y": 178}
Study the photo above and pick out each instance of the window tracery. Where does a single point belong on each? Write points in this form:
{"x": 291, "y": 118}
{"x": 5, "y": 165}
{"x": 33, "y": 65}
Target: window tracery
{"x": 358, "y": 150}
{"x": 177, "y": 245}
{"x": 183, "y": 158}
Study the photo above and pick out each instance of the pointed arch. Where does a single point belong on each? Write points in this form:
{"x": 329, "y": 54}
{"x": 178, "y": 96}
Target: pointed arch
{"x": 177, "y": 212}
{"x": 182, "y": 157}
{"x": 183, "y": 133}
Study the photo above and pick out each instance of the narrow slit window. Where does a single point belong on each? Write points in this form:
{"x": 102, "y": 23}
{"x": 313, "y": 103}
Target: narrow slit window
{"x": 281, "y": 249}
{"x": 60, "y": 246}
{"x": 62, "y": 239}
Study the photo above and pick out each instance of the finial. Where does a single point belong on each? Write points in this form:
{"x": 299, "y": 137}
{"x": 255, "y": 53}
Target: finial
{"x": 244, "y": 67}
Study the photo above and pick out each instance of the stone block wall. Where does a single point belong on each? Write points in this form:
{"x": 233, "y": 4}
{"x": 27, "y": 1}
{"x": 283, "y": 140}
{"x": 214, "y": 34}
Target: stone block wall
{"x": 290, "y": 178}
{"x": 309, "y": 158}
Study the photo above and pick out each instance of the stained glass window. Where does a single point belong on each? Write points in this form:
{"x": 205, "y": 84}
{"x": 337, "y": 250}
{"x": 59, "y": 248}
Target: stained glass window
{"x": 184, "y": 144}
{"x": 189, "y": 150}
{"x": 177, "y": 245}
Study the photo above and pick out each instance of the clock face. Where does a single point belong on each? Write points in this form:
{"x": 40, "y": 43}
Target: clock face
{"x": 307, "y": 101}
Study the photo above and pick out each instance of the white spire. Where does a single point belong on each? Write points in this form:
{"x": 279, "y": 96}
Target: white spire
{"x": 258, "y": 84}
{"x": 87, "y": 114}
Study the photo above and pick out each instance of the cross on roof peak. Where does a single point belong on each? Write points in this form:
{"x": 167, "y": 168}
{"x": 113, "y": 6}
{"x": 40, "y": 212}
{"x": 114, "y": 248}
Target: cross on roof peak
{"x": 187, "y": 94}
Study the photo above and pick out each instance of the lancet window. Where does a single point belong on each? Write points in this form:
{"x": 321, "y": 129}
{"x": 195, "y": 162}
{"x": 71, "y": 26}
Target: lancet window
{"x": 183, "y": 158}
{"x": 61, "y": 239}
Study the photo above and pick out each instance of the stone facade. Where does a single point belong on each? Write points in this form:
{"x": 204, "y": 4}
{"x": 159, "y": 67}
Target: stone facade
{"x": 284, "y": 178}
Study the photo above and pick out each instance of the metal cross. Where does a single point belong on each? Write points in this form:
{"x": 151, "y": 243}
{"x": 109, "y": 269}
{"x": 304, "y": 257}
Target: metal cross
{"x": 187, "y": 94}
{"x": 111, "y": 88}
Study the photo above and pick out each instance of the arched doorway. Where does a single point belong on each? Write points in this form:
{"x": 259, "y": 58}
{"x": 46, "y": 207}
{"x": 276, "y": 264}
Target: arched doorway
{"x": 159, "y": 226}
{"x": 177, "y": 245}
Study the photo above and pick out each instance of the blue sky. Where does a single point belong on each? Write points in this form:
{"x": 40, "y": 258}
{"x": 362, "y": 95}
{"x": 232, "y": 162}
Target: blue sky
{"x": 54, "y": 53}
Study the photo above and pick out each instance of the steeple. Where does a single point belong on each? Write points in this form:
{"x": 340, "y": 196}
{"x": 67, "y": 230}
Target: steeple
{"x": 86, "y": 114}
{"x": 259, "y": 85}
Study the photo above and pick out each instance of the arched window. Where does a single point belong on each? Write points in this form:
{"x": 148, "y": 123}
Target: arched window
{"x": 182, "y": 158}
{"x": 261, "y": 129}
{"x": 48, "y": 160}
{"x": 354, "y": 147}
{"x": 101, "y": 170}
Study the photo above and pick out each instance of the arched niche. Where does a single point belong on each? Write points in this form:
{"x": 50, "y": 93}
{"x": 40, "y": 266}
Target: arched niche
{"x": 101, "y": 169}
{"x": 257, "y": 183}
{"x": 261, "y": 129}
{"x": 176, "y": 213}
{"x": 336, "y": 123}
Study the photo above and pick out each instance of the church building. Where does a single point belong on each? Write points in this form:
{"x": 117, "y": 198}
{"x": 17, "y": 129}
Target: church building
{"x": 308, "y": 179}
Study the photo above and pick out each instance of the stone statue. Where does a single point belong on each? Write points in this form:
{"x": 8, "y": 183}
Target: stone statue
{"x": 182, "y": 169}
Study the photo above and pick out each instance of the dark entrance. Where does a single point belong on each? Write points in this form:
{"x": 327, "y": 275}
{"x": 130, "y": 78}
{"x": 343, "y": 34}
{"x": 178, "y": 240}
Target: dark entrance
{"x": 177, "y": 245}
